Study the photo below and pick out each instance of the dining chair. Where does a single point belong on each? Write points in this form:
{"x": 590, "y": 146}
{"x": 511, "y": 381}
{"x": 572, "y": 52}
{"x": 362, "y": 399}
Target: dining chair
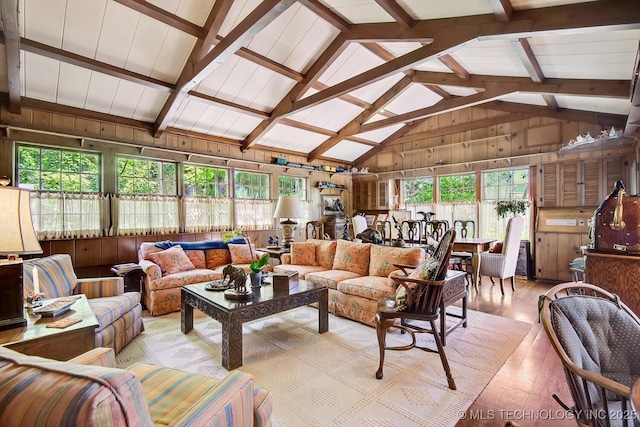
{"x": 314, "y": 230}
{"x": 463, "y": 260}
{"x": 359, "y": 225}
{"x": 503, "y": 264}
{"x": 418, "y": 297}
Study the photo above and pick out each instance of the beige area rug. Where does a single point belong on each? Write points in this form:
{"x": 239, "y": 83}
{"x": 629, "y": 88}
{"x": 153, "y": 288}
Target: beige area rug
{"x": 329, "y": 379}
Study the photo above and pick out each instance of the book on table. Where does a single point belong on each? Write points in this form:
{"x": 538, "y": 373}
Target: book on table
{"x": 57, "y": 307}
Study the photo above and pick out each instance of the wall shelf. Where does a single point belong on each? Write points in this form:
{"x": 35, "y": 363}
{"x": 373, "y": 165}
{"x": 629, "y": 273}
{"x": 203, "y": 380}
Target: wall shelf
{"x": 465, "y": 144}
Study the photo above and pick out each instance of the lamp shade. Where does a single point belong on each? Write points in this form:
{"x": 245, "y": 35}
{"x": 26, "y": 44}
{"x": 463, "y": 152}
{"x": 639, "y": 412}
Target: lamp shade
{"x": 288, "y": 207}
{"x": 18, "y": 236}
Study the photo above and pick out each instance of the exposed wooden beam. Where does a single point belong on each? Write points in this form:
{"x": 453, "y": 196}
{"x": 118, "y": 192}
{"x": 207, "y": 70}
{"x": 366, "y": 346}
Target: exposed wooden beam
{"x": 269, "y": 64}
{"x": 162, "y": 15}
{"x": 91, "y": 64}
{"x": 337, "y": 46}
{"x": 346, "y": 97}
{"x": 259, "y": 18}
{"x": 9, "y": 10}
{"x": 203, "y": 136}
{"x": 502, "y": 9}
{"x": 528, "y": 59}
{"x": 439, "y": 91}
{"x": 363, "y": 141}
{"x": 454, "y": 66}
{"x": 327, "y": 14}
{"x": 397, "y": 134}
{"x": 307, "y": 127}
{"x": 212, "y": 26}
{"x": 229, "y": 105}
{"x": 396, "y": 11}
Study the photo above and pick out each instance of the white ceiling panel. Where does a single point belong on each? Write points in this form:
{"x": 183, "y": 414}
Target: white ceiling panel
{"x": 150, "y": 104}
{"x": 41, "y": 77}
{"x": 421, "y": 9}
{"x": 491, "y": 57}
{"x": 126, "y": 98}
{"x": 82, "y": 26}
{"x": 73, "y": 84}
{"x": 146, "y": 45}
{"x": 532, "y": 4}
{"x": 191, "y": 113}
{"x": 371, "y": 92}
{"x": 331, "y": 115}
{"x": 234, "y": 125}
{"x": 359, "y": 11}
{"x": 195, "y": 11}
{"x": 459, "y": 90}
{"x": 173, "y": 55}
{"x": 101, "y": 91}
{"x": 290, "y": 138}
{"x": 118, "y": 29}
{"x": 602, "y": 105}
{"x": 42, "y": 21}
{"x": 414, "y": 97}
{"x": 525, "y": 98}
{"x": 353, "y": 61}
{"x": 605, "y": 55}
{"x": 239, "y": 10}
{"x": 434, "y": 65}
{"x": 400, "y": 48}
{"x": 347, "y": 151}
{"x": 379, "y": 135}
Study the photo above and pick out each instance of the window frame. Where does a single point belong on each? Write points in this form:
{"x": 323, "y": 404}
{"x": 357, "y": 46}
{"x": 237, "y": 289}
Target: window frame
{"x": 267, "y": 189}
{"x": 160, "y": 180}
{"x": 304, "y": 187}
{"x": 227, "y": 182}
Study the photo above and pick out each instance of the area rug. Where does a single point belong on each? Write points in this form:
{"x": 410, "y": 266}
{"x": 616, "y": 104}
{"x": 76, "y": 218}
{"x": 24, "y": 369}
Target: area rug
{"x": 329, "y": 379}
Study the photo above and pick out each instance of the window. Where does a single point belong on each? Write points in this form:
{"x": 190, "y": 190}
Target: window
{"x": 502, "y": 185}
{"x": 148, "y": 201}
{"x": 418, "y": 191}
{"x": 292, "y": 186}
{"x": 206, "y": 202}
{"x": 251, "y": 185}
{"x": 65, "y": 184}
{"x": 58, "y": 170}
{"x": 202, "y": 181}
{"x": 458, "y": 188}
{"x": 142, "y": 176}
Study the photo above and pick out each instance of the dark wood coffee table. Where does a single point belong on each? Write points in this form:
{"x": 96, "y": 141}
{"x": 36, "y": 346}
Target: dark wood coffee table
{"x": 232, "y": 314}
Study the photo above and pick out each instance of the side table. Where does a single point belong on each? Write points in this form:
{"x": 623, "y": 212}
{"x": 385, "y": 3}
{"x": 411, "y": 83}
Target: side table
{"x": 132, "y": 274}
{"x": 275, "y": 252}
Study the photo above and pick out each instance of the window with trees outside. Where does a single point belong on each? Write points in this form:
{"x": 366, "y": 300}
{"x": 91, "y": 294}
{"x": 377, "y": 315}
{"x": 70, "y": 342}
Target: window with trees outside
{"x": 252, "y": 206}
{"x": 296, "y": 186}
{"x": 458, "y": 198}
{"x": 510, "y": 184}
{"x": 418, "y": 195}
{"x": 147, "y": 201}
{"x": 65, "y": 184}
{"x": 207, "y": 204}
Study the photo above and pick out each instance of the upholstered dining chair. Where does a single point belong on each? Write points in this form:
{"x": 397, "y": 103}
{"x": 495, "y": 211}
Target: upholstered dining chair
{"x": 503, "y": 265}
{"x": 418, "y": 298}
{"x": 597, "y": 338}
{"x": 359, "y": 225}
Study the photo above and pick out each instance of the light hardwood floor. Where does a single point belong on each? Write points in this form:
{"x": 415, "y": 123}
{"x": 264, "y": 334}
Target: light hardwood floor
{"x": 522, "y": 390}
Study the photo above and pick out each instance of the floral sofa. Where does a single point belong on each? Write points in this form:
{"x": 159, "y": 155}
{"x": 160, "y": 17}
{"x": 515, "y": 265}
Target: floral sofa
{"x": 357, "y": 274}
{"x": 170, "y": 265}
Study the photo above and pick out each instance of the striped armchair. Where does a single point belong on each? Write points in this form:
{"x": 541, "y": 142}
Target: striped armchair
{"x": 89, "y": 391}
{"x": 119, "y": 314}
{"x": 503, "y": 265}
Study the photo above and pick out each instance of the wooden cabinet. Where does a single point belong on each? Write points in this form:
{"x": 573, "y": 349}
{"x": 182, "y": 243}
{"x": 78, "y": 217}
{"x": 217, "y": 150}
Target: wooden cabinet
{"x": 579, "y": 182}
{"x": 554, "y": 252}
{"x": 334, "y": 226}
{"x": 369, "y": 195}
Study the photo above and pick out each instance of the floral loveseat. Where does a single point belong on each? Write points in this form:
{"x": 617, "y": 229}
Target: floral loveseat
{"x": 170, "y": 265}
{"x": 357, "y": 274}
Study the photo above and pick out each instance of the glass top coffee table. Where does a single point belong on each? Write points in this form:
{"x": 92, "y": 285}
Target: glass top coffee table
{"x": 233, "y": 313}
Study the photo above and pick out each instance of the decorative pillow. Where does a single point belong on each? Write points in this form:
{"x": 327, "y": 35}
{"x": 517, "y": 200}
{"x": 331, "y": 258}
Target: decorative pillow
{"x": 427, "y": 270}
{"x": 217, "y": 257}
{"x": 172, "y": 260}
{"x": 241, "y": 254}
{"x": 196, "y": 256}
{"x": 497, "y": 248}
{"x": 325, "y": 252}
{"x": 353, "y": 257}
{"x": 303, "y": 253}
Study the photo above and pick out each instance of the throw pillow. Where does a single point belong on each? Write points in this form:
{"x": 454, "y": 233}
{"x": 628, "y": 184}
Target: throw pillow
{"x": 427, "y": 270}
{"x": 497, "y": 248}
{"x": 303, "y": 253}
{"x": 172, "y": 260}
{"x": 353, "y": 257}
{"x": 241, "y": 254}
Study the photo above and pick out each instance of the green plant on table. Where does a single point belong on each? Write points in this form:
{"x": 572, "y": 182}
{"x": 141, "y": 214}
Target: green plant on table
{"x": 257, "y": 265}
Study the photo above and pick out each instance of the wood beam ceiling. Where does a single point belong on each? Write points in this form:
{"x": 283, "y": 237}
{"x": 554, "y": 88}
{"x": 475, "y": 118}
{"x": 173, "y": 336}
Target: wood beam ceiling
{"x": 9, "y": 10}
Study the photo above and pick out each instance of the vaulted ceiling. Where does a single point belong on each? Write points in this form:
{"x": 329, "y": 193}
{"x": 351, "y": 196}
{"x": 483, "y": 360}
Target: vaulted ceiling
{"x": 326, "y": 79}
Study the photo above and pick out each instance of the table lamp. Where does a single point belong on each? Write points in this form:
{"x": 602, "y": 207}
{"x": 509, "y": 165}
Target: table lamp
{"x": 18, "y": 238}
{"x": 288, "y": 207}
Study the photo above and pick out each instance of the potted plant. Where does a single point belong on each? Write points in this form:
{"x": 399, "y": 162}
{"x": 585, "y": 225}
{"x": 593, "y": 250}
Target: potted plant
{"x": 506, "y": 208}
{"x": 256, "y": 267}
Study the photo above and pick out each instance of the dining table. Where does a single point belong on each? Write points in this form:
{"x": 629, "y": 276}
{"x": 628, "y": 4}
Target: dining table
{"x": 474, "y": 245}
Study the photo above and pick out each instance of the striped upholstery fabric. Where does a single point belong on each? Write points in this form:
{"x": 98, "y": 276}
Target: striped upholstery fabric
{"x": 43, "y": 392}
{"x": 119, "y": 314}
{"x": 99, "y": 356}
{"x": 262, "y": 406}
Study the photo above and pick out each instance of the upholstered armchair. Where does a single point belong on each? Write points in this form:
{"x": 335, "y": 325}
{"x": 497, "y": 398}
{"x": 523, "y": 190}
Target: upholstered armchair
{"x": 119, "y": 314}
{"x": 90, "y": 391}
{"x": 503, "y": 265}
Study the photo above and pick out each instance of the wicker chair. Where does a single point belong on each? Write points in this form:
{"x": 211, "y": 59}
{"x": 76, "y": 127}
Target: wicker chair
{"x": 423, "y": 298}
{"x": 597, "y": 339}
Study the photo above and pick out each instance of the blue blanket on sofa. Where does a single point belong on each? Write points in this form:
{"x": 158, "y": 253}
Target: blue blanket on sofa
{"x": 201, "y": 245}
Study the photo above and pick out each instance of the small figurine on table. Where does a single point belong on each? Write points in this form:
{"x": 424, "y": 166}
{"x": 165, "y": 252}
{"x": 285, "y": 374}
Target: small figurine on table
{"x": 33, "y": 298}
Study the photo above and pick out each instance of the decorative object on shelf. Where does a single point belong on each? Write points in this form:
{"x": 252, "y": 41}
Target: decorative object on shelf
{"x": 18, "y": 238}
{"x": 331, "y": 185}
{"x": 506, "y": 208}
{"x": 588, "y": 139}
{"x": 238, "y": 277}
{"x": 281, "y": 161}
{"x": 288, "y": 207}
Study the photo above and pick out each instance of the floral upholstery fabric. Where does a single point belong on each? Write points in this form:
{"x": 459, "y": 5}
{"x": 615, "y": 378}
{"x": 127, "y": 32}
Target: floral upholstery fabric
{"x": 303, "y": 253}
{"x": 216, "y": 257}
{"x": 172, "y": 260}
{"x": 147, "y": 248}
{"x": 370, "y": 287}
{"x": 427, "y": 270}
{"x": 242, "y": 254}
{"x": 330, "y": 278}
{"x": 353, "y": 257}
{"x": 325, "y": 252}
{"x": 353, "y": 307}
{"x": 177, "y": 280}
{"x": 383, "y": 258}
{"x": 196, "y": 257}
{"x": 302, "y": 270}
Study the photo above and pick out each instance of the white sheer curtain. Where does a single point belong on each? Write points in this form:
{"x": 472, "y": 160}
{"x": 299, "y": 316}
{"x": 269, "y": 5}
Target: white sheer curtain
{"x": 456, "y": 210}
{"x": 493, "y": 227}
{"x": 137, "y": 214}
{"x": 204, "y": 214}
{"x": 419, "y": 207}
{"x": 300, "y": 233}
{"x": 58, "y": 215}
{"x": 252, "y": 214}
